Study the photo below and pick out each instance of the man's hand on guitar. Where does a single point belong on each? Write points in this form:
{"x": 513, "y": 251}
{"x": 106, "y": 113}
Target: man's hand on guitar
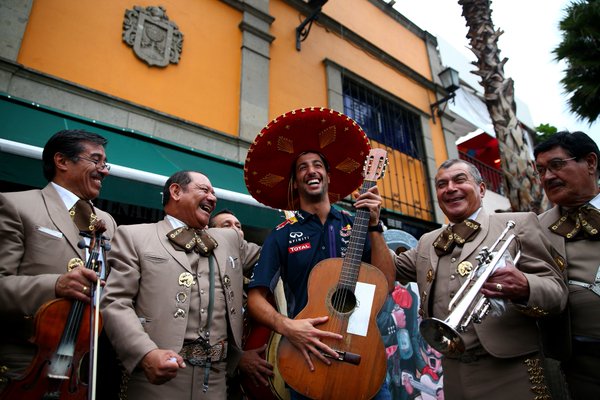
{"x": 256, "y": 367}
{"x": 370, "y": 200}
{"x": 303, "y": 334}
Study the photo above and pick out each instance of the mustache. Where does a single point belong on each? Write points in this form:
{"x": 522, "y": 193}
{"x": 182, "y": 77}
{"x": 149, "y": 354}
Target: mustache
{"x": 552, "y": 182}
{"x": 97, "y": 175}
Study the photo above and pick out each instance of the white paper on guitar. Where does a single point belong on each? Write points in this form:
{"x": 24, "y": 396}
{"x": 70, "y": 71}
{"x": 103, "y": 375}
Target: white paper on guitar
{"x": 358, "y": 324}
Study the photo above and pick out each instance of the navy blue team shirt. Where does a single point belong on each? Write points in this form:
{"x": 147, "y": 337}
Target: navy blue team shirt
{"x": 294, "y": 247}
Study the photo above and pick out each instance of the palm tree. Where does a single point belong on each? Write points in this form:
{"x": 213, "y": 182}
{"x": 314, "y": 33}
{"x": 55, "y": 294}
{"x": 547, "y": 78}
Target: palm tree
{"x": 580, "y": 48}
{"x": 522, "y": 187}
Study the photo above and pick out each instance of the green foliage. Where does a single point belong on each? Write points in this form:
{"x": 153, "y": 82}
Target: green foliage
{"x": 544, "y": 131}
{"x": 580, "y": 49}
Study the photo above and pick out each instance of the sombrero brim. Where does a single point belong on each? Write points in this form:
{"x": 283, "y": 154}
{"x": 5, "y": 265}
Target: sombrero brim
{"x": 269, "y": 161}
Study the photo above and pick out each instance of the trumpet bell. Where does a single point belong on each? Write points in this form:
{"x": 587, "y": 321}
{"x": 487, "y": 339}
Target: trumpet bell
{"x": 442, "y": 337}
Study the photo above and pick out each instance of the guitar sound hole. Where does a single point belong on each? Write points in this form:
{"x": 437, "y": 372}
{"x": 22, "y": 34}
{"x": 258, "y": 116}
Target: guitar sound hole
{"x": 343, "y": 301}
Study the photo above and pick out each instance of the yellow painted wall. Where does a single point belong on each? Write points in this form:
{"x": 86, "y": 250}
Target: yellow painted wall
{"x": 440, "y": 152}
{"x": 385, "y": 32}
{"x": 298, "y": 78}
{"x": 81, "y": 41}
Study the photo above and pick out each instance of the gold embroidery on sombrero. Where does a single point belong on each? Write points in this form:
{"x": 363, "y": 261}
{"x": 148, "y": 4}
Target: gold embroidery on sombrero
{"x": 285, "y": 144}
{"x": 348, "y": 166}
{"x": 271, "y": 180}
{"x": 327, "y": 136}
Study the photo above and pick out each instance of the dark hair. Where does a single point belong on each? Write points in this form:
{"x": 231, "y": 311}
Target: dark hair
{"x": 182, "y": 178}
{"x": 321, "y": 156}
{"x": 472, "y": 168}
{"x": 211, "y": 221}
{"x": 69, "y": 143}
{"x": 576, "y": 144}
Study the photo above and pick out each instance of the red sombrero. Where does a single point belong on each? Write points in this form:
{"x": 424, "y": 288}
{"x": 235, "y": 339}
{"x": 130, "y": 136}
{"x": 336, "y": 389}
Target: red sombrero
{"x": 269, "y": 161}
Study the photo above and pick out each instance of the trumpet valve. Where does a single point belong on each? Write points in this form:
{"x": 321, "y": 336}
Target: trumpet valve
{"x": 465, "y": 323}
{"x": 481, "y": 310}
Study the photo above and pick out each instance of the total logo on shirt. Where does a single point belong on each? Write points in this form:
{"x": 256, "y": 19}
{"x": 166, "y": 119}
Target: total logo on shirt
{"x": 299, "y": 247}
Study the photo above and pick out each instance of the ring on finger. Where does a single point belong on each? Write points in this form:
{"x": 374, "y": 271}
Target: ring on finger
{"x": 84, "y": 289}
{"x": 499, "y": 287}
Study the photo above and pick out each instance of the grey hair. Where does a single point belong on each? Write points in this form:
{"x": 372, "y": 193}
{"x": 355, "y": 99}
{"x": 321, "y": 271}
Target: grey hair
{"x": 473, "y": 171}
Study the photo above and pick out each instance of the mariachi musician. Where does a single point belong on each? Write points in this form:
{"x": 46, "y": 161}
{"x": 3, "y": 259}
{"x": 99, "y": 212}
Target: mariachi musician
{"x": 305, "y": 160}
{"x": 172, "y": 306}
{"x": 39, "y": 236}
{"x": 501, "y": 358}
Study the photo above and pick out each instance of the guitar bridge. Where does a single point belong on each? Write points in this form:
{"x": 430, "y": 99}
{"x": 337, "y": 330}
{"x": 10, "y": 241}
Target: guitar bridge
{"x": 344, "y": 356}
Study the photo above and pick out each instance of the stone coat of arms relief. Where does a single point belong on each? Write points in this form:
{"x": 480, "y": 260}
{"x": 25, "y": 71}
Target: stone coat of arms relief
{"x": 154, "y": 38}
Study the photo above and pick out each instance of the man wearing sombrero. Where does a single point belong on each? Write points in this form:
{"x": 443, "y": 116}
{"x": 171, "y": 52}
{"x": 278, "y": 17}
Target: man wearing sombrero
{"x": 305, "y": 160}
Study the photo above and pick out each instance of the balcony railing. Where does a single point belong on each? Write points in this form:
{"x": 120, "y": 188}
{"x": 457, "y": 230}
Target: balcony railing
{"x": 491, "y": 176}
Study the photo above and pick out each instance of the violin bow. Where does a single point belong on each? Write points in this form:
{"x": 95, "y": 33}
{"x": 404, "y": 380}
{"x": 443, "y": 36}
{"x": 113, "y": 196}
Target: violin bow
{"x": 98, "y": 245}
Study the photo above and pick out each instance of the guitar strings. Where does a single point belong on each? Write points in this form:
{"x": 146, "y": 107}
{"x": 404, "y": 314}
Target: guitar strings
{"x": 349, "y": 274}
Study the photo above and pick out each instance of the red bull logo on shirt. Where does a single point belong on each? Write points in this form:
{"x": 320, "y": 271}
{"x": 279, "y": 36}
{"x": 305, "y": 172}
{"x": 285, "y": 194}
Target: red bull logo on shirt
{"x": 346, "y": 231}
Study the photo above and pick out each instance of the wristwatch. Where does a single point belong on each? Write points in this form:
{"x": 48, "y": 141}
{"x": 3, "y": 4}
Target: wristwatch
{"x": 376, "y": 228}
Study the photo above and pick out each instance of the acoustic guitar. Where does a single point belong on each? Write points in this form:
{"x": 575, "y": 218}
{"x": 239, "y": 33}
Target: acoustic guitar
{"x": 351, "y": 293}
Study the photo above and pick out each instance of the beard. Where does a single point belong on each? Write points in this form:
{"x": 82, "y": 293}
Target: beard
{"x": 314, "y": 197}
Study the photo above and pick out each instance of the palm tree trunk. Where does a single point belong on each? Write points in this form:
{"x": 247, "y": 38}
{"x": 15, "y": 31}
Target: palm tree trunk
{"x": 522, "y": 187}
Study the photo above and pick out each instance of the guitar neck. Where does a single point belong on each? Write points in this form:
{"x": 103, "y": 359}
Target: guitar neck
{"x": 353, "y": 257}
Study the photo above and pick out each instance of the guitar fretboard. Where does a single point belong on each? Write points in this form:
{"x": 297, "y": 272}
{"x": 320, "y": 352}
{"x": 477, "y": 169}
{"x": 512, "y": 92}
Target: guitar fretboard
{"x": 353, "y": 257}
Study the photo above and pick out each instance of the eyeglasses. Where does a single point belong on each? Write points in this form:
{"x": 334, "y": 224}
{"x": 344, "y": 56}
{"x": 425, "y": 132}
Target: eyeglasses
{"x": 554, "y": 165}
{"x": 96, "y": 163}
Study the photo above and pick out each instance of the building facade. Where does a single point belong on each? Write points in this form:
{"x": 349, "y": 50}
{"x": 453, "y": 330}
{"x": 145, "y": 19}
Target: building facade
{"x": 189, "y": 84}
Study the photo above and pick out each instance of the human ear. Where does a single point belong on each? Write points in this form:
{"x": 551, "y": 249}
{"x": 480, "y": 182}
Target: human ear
{"x": 60, "y": 161}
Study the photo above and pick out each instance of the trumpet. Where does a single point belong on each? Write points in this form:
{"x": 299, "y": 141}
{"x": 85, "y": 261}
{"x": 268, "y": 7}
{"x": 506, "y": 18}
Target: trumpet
{"x": 469, "y": 305}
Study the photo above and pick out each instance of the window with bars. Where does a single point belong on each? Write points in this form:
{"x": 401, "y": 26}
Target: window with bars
{"x": 389, "y": 125}
{"x": 383, "y": 120}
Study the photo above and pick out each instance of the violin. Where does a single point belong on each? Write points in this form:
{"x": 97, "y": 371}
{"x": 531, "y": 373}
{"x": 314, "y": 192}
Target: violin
{"x": 66, "y": 335}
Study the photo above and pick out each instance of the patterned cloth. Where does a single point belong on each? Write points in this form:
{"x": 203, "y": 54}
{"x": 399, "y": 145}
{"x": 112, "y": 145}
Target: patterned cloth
{"x": 83, "y": 215}
{"x": 457, "y": 234}
{"x": 198, "y": 352}
{"x": 578, "y": 223}
{"x": 188, "y": 240}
